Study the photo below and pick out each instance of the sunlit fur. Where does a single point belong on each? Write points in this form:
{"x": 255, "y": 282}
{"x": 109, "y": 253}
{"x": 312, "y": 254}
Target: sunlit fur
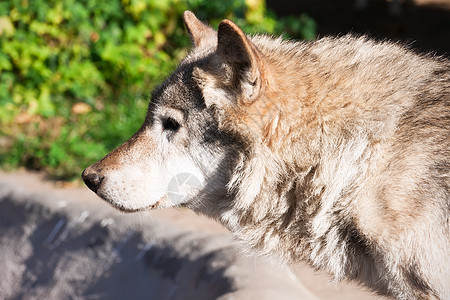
{"x": 336, "y": 152}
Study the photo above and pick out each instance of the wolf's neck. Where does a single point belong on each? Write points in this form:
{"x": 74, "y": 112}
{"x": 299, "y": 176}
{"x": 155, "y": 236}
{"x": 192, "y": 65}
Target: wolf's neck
{"x": 293, "y": 209}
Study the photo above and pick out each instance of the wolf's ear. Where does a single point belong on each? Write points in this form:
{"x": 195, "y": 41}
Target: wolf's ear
{"x": 201, "y": 35}
{"x": 237, "y": 51}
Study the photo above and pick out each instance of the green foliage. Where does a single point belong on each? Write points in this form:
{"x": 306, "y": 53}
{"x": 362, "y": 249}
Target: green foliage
{"x": 75, "y": 74}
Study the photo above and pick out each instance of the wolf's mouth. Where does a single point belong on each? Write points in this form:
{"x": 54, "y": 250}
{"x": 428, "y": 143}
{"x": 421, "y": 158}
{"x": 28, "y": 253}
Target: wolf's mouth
{"x": 157, "y": 205}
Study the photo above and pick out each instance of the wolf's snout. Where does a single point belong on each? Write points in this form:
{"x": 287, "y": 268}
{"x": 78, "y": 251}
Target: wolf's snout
{"x": 92, "y": 179}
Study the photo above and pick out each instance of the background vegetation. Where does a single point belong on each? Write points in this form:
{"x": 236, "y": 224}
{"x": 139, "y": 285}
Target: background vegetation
{"x": 76, "y": 75}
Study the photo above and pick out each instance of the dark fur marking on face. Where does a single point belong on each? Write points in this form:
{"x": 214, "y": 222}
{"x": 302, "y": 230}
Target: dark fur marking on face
{"x": 188, "y": 94}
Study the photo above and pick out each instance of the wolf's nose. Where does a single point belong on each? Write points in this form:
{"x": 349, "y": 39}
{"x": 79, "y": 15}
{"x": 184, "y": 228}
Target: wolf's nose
{"x": 91, "y": 179}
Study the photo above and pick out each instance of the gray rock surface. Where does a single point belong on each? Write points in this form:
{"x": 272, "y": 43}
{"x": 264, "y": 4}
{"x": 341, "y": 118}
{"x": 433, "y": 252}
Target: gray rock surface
{"x": 61, "y": 248}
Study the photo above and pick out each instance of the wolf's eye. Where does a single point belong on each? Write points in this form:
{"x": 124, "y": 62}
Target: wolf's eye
{"x": 170, "y": 124}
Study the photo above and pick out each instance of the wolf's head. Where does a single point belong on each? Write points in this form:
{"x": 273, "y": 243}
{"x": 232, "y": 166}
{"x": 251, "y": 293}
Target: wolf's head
{"x": 197, "y": 132}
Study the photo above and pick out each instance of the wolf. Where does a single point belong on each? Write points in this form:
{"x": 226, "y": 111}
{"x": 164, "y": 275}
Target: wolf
{"x": 335, "y": 152}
